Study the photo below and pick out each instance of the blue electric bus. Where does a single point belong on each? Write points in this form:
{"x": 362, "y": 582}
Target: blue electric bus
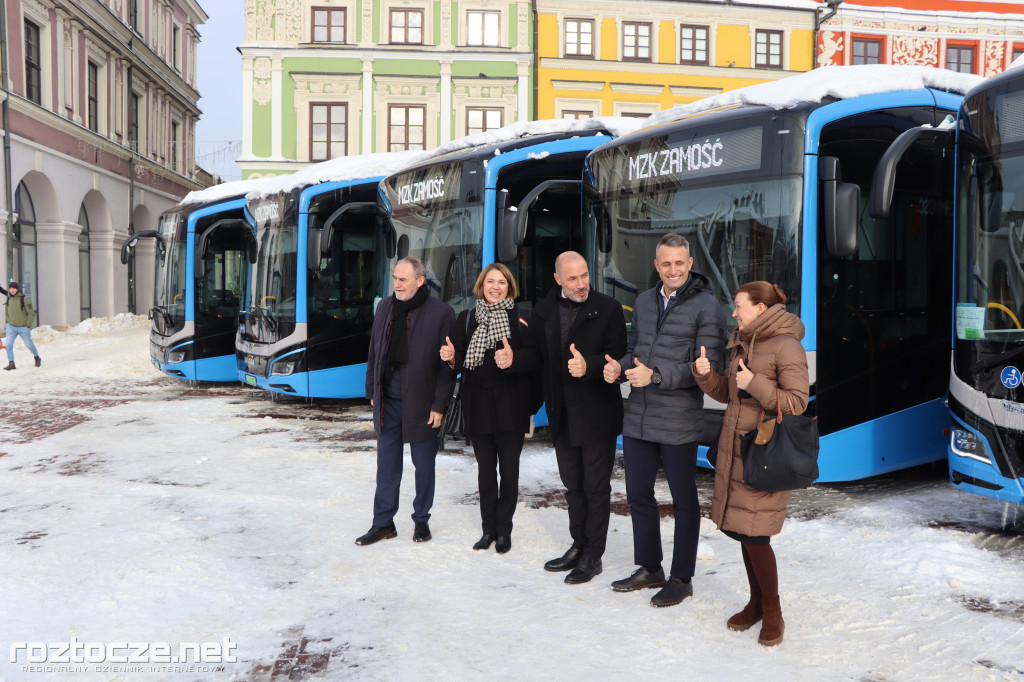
{"x": 770, "y": 182}
{"x": 511, "y": 195}
{"x": 986, "y": 396}
{"x": 317, "y": 276}
{"x": 204, "y": 245}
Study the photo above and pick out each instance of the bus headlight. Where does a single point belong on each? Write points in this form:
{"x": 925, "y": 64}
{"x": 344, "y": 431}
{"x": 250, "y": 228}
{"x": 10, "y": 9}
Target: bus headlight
{"x": 966, "y": 444}
{"x": 283, "y": 369}
{"x": 176, "y": 356}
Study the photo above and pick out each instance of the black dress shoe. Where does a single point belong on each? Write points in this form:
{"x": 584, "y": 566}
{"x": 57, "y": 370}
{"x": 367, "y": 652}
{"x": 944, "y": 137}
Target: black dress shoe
{"x": 503, "y": 545}
{"x": 484, "y": 542}
{"x": 377, "y": 533}
{"x": 585, "y": 570}
{"x": 640, "y": 579}
{"x": 422, "y": 532}
{"x": 565, "y": 562}
{"x": 675, "y": 591}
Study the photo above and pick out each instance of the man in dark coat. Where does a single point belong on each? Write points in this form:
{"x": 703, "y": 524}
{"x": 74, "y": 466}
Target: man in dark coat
{"x": 409, "y": 388}
{"x": 672, "y": 324}
{"x": 571, "y": 331}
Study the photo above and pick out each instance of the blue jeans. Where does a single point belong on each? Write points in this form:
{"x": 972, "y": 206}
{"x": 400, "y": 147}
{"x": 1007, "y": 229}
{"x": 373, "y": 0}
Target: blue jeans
{"x": 389, "y": 467}
{"x": 26, "y": 336}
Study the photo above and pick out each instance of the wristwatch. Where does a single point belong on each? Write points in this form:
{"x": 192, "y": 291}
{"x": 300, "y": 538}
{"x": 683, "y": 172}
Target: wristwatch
{"x": 656, "y": 377}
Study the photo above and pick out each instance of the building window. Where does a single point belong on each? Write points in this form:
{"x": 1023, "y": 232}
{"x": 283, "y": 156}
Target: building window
{"x": 636, "y": 41}
{"x": 176, "y": 49}
{"x": 768, "y": 49}
{"x": 867, "y": 51}
{"x": 693, "y": 44}
{"x": 328, "y": 25}
{"x": 406, "y": 128}
{"x": 482, "y": 120}
{"x": 33, "y": 63}
{"x": 1018, "y": 50}
{"x": 579, "y": 38}
{"x": 960, "y": 58}
{"x": 634, "y": 114}
{"x": 576, "y": 114}
{"x": 174, "y": 145}
{"x": 328, "y": 139}
{"x": 94, "y": 97}
{"x": 483, "y": 28}
{"x": 407, "y": 26}
{"x": 133, "y": 14}
{"x": 84, "y": 277}
{"x": 133, "y": 122}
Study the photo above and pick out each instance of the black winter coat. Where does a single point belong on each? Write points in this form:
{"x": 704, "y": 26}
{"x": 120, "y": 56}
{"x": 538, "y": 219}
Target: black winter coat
{"x": 427, "y": 382}
{"x": 493, "y": 400}
{"x": 588, "y": 407}
{"x": 673, "y": 412}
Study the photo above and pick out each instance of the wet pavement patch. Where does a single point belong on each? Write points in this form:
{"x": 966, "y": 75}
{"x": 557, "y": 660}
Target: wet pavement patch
{"x": 1011, "y": 609}
{"x": 36, "y": 419}
{"x": 301, "y": 658}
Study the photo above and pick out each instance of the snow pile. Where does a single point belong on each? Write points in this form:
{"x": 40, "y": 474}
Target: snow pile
{"x": 841, "y": 82}
{"x": 615, "y": 125}
{"x": 222, "y": 192}
{"x": 343, "y": 169}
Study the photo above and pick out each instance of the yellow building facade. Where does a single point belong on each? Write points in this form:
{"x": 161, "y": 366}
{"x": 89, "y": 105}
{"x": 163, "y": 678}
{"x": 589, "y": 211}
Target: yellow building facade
{"x": 634, "y": 58}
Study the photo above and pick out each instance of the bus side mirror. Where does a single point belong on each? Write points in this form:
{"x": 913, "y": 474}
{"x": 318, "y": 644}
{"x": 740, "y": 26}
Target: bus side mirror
{"x": 884, "y": 180}
{"x": 203, "y": 243}
{"x": 508, "y": 247}
{"x": 840, "y": 208}
{"x": 314, "y": 245}
{"x": 330, "y": 225}
{"x": 130, "y": 243}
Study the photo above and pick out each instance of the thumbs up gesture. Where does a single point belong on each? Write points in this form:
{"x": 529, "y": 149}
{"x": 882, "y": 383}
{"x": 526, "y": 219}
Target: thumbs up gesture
{"x": 702, "y": 364}
{"x": 577, "y": 365}
{"x": 743, "y": 376}
{"x": 639, "y": 375}
{"x": 612, "y": 369}
{"x": 503, "y": 356}
{"x": 447, "y": 351}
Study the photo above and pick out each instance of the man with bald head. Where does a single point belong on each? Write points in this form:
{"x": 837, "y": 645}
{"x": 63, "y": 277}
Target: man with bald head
{"x": 571, "y": 331}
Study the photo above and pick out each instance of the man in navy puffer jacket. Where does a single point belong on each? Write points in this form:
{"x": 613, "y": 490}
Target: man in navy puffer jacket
{"x": 664, "y": 415}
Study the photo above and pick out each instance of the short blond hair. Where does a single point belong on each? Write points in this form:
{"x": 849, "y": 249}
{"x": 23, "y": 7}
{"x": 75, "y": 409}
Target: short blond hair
{"x": 478, "y": 288}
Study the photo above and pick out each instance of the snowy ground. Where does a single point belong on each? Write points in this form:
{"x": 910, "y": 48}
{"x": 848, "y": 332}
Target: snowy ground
{"x": 134, "y": 508}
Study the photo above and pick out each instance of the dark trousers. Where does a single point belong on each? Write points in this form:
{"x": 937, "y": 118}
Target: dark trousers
{"x": 642, "y": 458}
{"x": 498, "y": 453}
{"x": 389, "y": 467}
{"x": 586, "y": 473}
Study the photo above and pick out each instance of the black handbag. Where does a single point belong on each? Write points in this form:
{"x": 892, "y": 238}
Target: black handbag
{"x": 782, "y": 452}
{"x": 453, "y": 424}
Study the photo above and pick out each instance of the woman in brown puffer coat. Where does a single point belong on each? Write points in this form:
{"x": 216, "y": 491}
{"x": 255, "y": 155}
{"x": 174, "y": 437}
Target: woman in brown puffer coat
{"x": 765, "y": 355}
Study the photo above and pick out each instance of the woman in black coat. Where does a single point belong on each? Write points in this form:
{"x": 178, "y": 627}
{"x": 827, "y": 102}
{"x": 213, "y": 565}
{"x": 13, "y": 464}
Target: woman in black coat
{"x": 496, "y": 401}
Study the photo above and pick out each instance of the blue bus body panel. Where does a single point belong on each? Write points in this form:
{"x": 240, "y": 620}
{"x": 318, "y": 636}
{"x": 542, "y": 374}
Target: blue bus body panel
{"x": 962, "y": 470}
{"x": 904, "y": 439}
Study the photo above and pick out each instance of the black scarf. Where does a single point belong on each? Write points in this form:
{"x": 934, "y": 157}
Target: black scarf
{"x": 398, "y": 344}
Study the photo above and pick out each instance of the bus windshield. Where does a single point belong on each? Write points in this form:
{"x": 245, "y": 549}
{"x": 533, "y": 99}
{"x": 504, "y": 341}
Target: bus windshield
{"x": 730, "y": 192}
{"x": 274, "y": 280}
{"x": 437, "y": 216}
{"x": 990, "y": 233}
{"x": 169, "y": 295}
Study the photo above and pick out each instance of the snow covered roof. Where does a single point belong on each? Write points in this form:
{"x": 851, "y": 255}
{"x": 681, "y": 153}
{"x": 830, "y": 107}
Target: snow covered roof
{"x": 221, "y": 192}
{"x": 840, "y": 82}
{"x": 616, "y": 125}
{"x": 345, "y": 168}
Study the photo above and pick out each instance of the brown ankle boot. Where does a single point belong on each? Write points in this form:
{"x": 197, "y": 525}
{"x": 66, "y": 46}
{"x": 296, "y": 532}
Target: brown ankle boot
{"x": 773, "y": 626}
{"x": 751, "y": 613}
{"x": 39, "y": 361}
{"x": 10, "y": 365}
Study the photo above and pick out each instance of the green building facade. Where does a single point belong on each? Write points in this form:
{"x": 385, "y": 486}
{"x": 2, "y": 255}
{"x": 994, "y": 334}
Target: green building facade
{"x": 328, "y": 78}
